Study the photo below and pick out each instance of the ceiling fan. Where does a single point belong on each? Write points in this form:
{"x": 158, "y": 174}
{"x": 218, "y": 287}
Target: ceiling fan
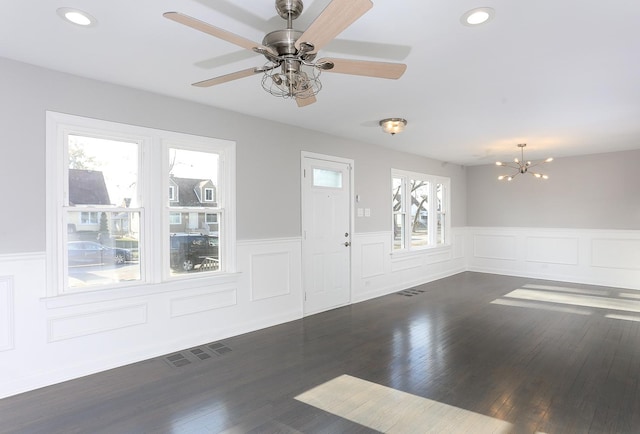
{"x": 291, "y": 69}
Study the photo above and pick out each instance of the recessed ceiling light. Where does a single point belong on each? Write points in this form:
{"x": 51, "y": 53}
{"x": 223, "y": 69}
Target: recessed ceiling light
{"x": 477, "y": 16}
{"x": 77, "y": 17}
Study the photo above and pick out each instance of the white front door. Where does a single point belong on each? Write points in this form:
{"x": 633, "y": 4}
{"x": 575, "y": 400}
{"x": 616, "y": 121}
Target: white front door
{"x": 326, "y": 233}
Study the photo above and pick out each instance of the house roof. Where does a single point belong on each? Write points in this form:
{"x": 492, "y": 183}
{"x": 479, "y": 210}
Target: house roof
{"x": 189, "y": 188}
{"x": 87, "y": 187}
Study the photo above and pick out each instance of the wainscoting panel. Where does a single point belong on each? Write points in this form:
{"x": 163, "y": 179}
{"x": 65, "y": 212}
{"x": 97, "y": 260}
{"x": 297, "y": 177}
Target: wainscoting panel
{"x": 73, "y": 326}
{"x": 270, "y": 275}
{"x": 459, "y": 243}
{"x": 406, "y": 263}
{"x": 552, "y": 250}
{"x": 495, "y": 246}
{"x": 441, "y": 256}
{"x": 589, "y": 256}
{"x": 615, "y": 253}
{"x": 6, "y": 314}
{"x": 205, "y": 301}
{"x": 372, "y": 254}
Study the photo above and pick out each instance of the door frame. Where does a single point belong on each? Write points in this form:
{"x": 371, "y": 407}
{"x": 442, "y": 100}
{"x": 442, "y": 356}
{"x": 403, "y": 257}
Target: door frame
{"x": 333, "y": 159}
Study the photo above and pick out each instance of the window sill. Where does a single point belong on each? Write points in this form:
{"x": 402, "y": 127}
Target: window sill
{"x": 125, "y": 292}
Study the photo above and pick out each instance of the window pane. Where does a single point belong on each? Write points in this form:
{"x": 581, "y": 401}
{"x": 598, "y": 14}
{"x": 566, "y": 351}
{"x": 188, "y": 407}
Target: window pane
{"x": 398, "y": 214}
{"x": 194, "y": 251}
{"x": 440, "y": 232}
{"x": 396, "y": 191}
{"x": 107, "y": 255}
{"x": 419, "y": 213}
{"x": 398, "y": 232}
{"x": 194, "y": 233}
{"x": 102, "y": 172}
{"x": 327, "y": 178}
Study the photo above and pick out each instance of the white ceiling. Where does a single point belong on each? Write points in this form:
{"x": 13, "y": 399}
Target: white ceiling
{"x": 561, "y": 76}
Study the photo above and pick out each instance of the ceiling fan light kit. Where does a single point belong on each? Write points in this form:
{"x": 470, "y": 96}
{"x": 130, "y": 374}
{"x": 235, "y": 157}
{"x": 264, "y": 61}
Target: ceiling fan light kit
{"x": 393, "y": 126}
{"x": 522, "y": 166}
{"x": 291, "y": 70}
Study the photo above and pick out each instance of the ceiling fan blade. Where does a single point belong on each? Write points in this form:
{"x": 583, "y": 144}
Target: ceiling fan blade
{"x": 336, "y": 17}
{"x": 303, "y": 102}
{"x": 228, "y": 77}
{"x": 215, "y": 31}
{"x": 366, "y": 68}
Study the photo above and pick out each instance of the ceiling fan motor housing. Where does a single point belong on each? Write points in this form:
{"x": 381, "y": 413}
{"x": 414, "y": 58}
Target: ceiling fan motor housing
{"x": 289, "y": 9}
{"x": 282, "y": 41}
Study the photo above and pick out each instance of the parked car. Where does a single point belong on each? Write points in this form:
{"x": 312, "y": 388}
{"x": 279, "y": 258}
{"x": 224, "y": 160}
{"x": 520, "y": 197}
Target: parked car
{"x": 92, "y": 253}
{"x": 191, "y": 251}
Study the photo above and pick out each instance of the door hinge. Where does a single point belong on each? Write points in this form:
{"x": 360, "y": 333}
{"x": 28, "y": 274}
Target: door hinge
{"x": 305, "y": 296}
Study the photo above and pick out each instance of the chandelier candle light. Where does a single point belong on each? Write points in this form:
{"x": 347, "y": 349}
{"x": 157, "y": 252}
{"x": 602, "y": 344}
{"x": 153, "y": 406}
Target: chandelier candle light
{"x": 522, "y": 166}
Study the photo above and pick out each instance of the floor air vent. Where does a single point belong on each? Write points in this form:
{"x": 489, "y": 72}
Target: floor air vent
{"x": 177, "y": 360}
{"x": 219, "y": 348}
{"x": 205, "y": 352}
{"x": 410, "y": 292}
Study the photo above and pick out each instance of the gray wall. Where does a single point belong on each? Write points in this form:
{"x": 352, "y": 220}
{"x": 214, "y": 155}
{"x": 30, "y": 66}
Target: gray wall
{"x": 600, "y": 191}
{"x": 268, "y": 168}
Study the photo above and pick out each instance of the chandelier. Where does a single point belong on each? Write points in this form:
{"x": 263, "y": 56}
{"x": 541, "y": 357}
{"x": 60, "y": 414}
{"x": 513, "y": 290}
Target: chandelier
{"x": 522, "y": 166}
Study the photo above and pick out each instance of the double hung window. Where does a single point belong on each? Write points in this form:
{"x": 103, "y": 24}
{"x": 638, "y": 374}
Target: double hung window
{"x": 132, "y": 206}
{"x": 419, "y": 210}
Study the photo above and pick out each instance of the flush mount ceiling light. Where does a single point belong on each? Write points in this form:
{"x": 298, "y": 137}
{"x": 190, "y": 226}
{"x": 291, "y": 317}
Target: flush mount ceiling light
{"x": 393, "y": 125}
{"x": 522, "y": 166}
{"x": 77, "y": 17}
{"x": 477, "y": 16}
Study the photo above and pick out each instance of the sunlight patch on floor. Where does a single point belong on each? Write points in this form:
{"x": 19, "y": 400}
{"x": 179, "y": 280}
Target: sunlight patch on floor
{"x": 624, "y": 317}
{"x": 630, "y": 295}
{"x": 567, "y": 289}
{"x": 576, "y": 300}
{"x": 580, "y": 301}
{"x": 391, "y": 411}
{"x": 534, "y": 305}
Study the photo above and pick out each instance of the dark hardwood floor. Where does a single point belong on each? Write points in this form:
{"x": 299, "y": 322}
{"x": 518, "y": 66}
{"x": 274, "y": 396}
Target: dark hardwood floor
{"x": 542, "y": 366}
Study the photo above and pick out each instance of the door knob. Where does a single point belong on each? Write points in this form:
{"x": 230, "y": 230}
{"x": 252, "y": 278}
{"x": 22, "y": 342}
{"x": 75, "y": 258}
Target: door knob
{"x": 347, "y": 244}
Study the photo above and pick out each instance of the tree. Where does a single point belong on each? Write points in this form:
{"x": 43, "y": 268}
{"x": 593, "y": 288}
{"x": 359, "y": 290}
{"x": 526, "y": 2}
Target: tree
{"x": 79, "y": 160}
{"x": 103, "y": 233}
{"x": 420, "y": 202}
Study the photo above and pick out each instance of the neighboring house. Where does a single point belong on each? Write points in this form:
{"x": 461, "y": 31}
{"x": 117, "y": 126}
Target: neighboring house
{"x": 192, "y": 192}
{"x": 86, "y": 187}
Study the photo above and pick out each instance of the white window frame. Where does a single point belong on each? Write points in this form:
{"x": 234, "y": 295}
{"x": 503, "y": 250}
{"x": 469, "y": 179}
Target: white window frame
{"x": 173, "y": 197}
{"x": 406, "y": 177}
{"x": 154, "y": 233}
